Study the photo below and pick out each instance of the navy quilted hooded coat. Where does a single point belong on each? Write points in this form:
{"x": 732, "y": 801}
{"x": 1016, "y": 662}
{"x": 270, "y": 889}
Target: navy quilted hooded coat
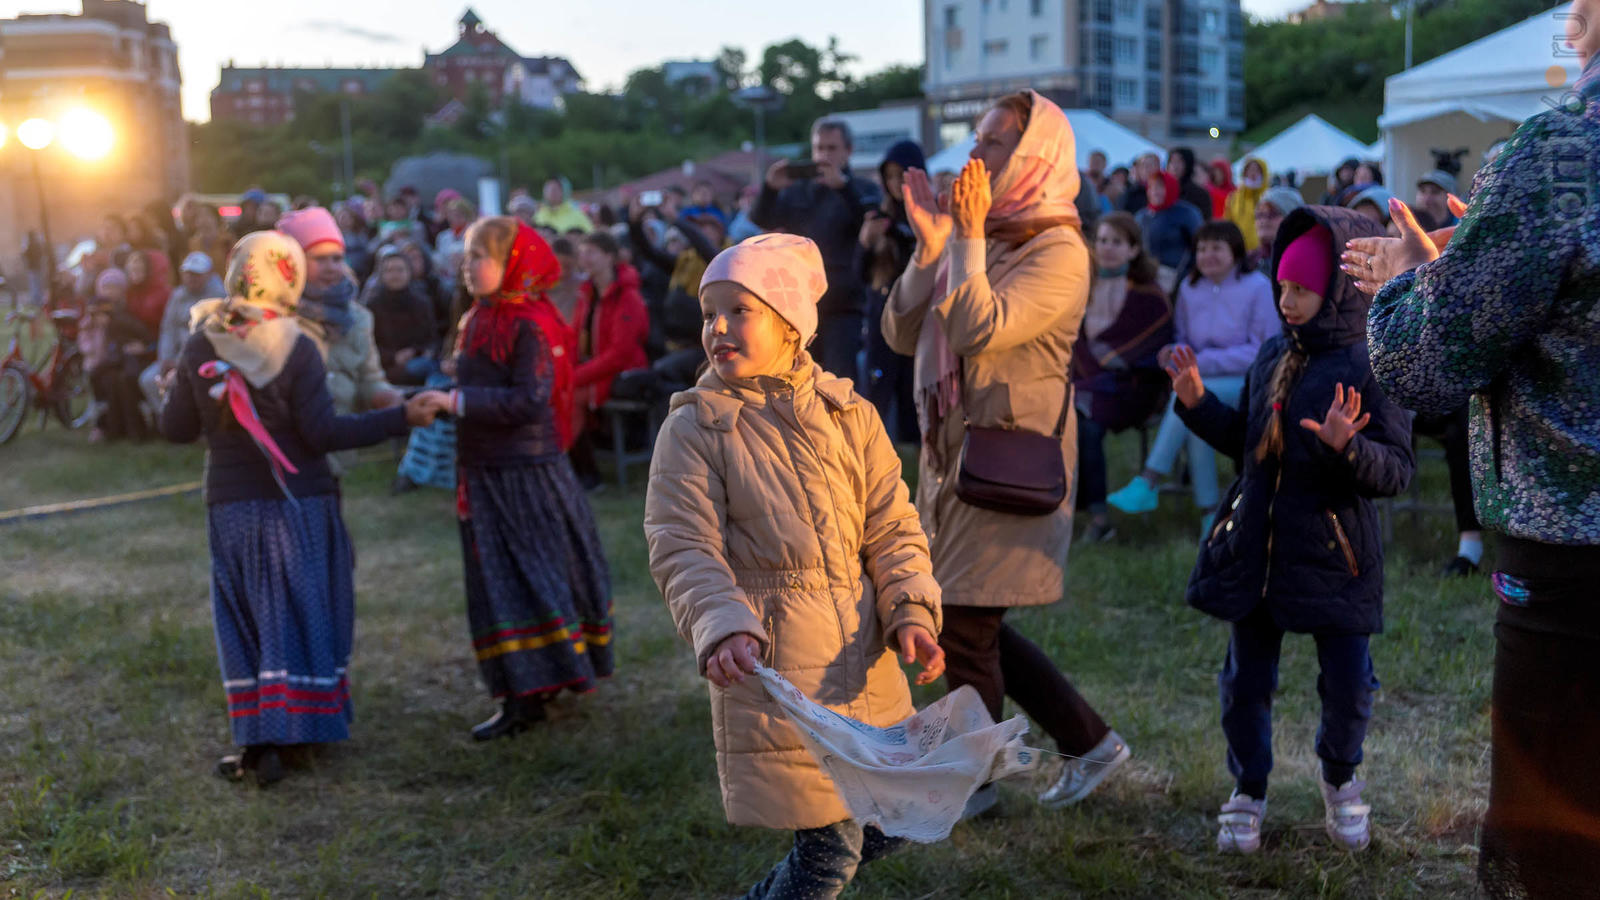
{"x": 1300, "y": 533}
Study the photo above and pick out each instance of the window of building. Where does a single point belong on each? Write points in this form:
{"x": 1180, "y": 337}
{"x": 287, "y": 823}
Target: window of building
{"x": 1152, "y": 54}
{"x": 1210, "y": 100}
{"x": 1235, "y": 25}
{"x": 1153, "y": 17}
{"x": 1186, "y": 99}
{"x": 1210, "y": 60}
{"x": 1211, "y": 21}
{"x": 986, "y": 5}
{"x": 1038, "y": 45}
{"x": 441, "y": 78}
{"x": 1127, "y": 9}
{"x": 1104, "y": 49}
{"x": 996, "y": 48}
{"x": 1236, "y": 103}
{"x": 1003, "y": 5}
{"x": 1102, "y": 11}
{"x": 1127, "y": 93}
{"x": 1103, "y": 91}
{"x": 1235, "y": 65}
{"x": 255, "y": 86}
{"x": 1152, "y": 95}
{"x": 950, "y": 16}
{"x": 1188, "y": 61}
{"x": 470, "y": 76}
{"x": 1127, "y": 51}
{"x": 1036, "y": 8}
{"x": 1188, "y": 22}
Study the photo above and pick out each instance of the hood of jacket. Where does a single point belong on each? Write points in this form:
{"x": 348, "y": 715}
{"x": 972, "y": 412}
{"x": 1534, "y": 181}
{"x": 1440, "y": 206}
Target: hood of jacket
{"x": 1342, "y": 320}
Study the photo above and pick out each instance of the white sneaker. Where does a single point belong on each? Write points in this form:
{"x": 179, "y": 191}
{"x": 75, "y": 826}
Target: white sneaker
{"x": 1079, "y": 777}
{"x": 1346, "y": 817}
{"x": 1239, "y": 825}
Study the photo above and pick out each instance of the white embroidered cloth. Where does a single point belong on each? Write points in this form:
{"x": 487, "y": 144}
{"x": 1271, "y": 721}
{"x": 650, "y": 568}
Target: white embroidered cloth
{"x": 910, "y": 780}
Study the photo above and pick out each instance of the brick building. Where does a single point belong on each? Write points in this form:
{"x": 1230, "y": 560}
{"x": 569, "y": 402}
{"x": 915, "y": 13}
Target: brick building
{"x": 265, "y": 96}
{"x": 112, "y": 60}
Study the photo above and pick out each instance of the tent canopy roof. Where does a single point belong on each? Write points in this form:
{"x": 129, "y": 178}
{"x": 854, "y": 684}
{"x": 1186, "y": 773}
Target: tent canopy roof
{"x": 1517, "y": 59}
{"x": 1310, "y": 146}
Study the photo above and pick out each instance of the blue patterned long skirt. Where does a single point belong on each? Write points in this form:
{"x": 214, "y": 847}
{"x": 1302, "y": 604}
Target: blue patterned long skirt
{"x": 283, "y": 598}
{"x": 538, "y": 589}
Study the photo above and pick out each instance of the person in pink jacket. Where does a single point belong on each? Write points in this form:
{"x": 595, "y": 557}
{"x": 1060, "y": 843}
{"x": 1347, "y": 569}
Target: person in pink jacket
{"x": 780, "y": 532}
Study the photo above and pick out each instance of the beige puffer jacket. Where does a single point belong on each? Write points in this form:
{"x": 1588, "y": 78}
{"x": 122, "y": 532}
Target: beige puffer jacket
{"x": 775, "y": 508}
{"x": 354, "y": 371}
{"x": 1011, "y": 314}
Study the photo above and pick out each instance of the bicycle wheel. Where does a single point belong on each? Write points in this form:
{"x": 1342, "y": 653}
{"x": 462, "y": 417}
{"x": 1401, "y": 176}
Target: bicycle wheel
{"x": 13, "y": 401}
{"x": 70, "y": 393}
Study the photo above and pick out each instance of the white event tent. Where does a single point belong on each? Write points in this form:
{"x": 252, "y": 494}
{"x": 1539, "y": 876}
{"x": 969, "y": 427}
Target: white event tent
{"x": 1309, "y": 147}
{"x": 1474, "y": 96}
{"x": 1091, "y": 131}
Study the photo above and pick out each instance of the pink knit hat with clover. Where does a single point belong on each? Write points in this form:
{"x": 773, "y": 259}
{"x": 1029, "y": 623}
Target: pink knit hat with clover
{"x": 783, "y": 270}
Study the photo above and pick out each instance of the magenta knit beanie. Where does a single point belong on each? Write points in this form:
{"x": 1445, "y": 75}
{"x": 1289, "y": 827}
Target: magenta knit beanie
{"x": 1308, "y": 260}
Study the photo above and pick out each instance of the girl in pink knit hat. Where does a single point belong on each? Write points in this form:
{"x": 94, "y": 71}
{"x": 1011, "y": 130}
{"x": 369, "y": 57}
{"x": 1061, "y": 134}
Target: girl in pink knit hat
{"x": 781, "y": 533}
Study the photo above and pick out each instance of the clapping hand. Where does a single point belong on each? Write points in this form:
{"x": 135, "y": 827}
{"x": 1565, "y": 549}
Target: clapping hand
{"x": 931, "y": 225}
{"x": 970, "y": 199}
{"x": 1183, "y": 367}
{"x": 1373, "y": 261}
{"x": 736, "y": 656}
{"x": 1344, "y": 419}
{"x": 918, "y": 645}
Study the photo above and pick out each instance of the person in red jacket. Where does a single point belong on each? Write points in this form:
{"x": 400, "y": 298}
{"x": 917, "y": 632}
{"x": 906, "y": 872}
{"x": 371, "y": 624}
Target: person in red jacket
{"x": 612, "y": 325}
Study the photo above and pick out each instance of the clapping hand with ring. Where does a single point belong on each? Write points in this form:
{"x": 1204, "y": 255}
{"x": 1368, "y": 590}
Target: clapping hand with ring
{"x": 1373, "y": 261}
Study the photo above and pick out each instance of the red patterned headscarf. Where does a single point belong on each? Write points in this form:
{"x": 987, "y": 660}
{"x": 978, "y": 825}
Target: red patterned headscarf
{"x": 491, "y": 326}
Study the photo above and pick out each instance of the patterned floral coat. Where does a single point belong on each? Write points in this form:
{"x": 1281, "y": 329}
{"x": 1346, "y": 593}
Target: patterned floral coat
{"x": 1509, "y": 317}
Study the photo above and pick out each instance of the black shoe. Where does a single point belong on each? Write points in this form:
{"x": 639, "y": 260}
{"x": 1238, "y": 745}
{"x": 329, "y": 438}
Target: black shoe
{"x": 515, "y": 716}
{"x": 1460, "y": 567}
{"x": 269, "y": 768}
{"x": 261, "y": 759}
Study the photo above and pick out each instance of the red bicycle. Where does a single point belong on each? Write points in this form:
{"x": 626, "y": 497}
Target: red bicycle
{"x": 54, "y": 386}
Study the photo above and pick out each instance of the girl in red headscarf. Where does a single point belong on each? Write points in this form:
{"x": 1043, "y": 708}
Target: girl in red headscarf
{"x": 538, "y": 590}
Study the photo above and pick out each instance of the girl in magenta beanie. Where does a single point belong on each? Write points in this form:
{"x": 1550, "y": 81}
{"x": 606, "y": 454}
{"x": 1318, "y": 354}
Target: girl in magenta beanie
{"x": 1296, "y": 545}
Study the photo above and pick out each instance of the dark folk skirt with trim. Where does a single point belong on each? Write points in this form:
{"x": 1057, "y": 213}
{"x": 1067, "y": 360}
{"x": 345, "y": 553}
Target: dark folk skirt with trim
{"x": 283, "y": 598}
{"x": 538, "y": 588}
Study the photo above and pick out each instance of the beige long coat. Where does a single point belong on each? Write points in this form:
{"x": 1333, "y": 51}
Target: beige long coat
{"x": 1011, "y": 313}
{"x": 776, "y": 509}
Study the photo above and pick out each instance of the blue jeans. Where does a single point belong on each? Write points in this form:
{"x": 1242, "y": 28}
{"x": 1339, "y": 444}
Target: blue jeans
{"x": 823, "y": 861}
{"x": 1091, "y": 464}
{"x": 1173, "y": 437}
{"x": 1249, "y": 679}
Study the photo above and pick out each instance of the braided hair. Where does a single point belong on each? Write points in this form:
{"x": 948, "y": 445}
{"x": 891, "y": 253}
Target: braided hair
{"x": 1284, "y": 377}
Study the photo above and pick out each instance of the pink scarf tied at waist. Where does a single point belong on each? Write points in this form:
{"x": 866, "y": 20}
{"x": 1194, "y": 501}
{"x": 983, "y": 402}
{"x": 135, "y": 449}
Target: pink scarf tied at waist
{"x": 236, "y": 392}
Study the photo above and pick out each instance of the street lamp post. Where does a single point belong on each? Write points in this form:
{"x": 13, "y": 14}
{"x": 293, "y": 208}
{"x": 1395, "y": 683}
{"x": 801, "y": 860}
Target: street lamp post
{"x": 761, "y": 99}
{"x": 36, "y": 134}
{"x": 82, "y": 133}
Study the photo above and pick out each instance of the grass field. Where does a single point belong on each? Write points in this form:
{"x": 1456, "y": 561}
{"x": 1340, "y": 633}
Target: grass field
{"x": 112, "y": 716}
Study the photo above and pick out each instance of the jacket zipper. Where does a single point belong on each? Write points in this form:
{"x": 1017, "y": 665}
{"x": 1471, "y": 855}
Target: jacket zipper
{"x": 1266, "y": 576}
{"x": 788, "y": 397}
{"x": 1344, "y": 544}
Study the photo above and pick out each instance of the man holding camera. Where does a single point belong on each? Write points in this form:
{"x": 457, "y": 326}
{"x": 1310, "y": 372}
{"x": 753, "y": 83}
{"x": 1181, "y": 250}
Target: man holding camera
{"x": 821, "y": 200}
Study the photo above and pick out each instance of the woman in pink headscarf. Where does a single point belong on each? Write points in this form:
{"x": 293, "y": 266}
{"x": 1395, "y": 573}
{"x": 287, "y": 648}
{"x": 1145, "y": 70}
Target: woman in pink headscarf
{"x": 989, "y": 306}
